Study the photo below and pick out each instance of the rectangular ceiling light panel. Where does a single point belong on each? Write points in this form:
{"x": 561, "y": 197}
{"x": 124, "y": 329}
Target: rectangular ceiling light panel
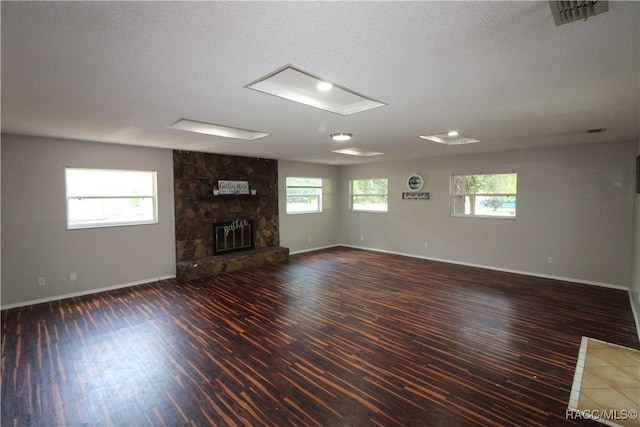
{"x": 357, "y": 152}
{"x": 296, "y": 85}
{"x": 445, "y": 139}
{"x": 217, "y": 130}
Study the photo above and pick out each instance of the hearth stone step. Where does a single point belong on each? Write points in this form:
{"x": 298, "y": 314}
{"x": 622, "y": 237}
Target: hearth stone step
{"x": 212, "y": 266}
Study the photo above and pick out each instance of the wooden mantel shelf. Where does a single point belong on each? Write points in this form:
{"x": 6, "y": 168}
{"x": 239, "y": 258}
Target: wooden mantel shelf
{"x": 229, "y": 196}
{"x": 212, "y": 197}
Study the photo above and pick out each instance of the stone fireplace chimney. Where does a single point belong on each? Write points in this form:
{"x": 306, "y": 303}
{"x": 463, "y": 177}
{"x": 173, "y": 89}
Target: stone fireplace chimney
{"x": 197, "y": 209}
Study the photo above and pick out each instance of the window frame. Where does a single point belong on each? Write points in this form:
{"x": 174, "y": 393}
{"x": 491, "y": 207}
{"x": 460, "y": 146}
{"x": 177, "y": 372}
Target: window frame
{"x": 95, "y": 196}
{"x": 318, "y": 195}
{"x": 353, "y": 195}
{"x": 453, "y": 194}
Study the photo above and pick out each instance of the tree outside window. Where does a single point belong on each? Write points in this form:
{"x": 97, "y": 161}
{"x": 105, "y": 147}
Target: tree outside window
{"x": 370, "y": 195}
{"x": 489, "y": 195}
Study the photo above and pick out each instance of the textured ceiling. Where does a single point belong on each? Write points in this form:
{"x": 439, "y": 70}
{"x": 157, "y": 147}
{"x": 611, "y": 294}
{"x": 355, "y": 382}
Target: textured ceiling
{"x": 500, "y": 72}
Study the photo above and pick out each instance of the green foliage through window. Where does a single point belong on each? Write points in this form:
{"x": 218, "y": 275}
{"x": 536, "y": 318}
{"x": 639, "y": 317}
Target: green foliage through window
{"x": 370, "y": 195}
{"x": 491, "y": 195}
{"x": 304, "y": 195}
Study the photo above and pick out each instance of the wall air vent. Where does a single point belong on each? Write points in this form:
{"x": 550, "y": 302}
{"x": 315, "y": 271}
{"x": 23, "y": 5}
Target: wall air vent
{"x": 568, "y": 11}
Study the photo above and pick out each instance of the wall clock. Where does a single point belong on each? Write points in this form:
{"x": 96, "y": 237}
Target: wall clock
{"x": 415, "y": 182}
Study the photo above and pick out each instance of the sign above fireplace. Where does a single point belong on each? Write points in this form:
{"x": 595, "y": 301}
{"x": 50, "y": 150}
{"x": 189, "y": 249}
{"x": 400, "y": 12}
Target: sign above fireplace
{"x": 233, "y": 187}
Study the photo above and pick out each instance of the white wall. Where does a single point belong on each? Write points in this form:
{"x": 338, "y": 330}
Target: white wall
{"x": 304, "y": 232}
{"x": 36, "y": 243}
{"x": 575, "y": 204}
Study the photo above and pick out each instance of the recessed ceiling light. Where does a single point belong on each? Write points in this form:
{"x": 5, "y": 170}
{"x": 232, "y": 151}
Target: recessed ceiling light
{"x": 341, "y": 136}
{"x": 447, "y": 139}
{"x": 296, "y": 85}
{"x": 453, "y": 133}
{"x": 357, "y": 152}
{"x": 324, "y": 86}
{"x": 217, "y": 130}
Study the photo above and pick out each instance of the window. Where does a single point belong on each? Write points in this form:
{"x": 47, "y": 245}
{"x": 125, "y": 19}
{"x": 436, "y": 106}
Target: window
{"x": 484, "y": 195}
{"x": 369, "y": 195}
{"x": 104, "y": 198}
{"x": 304, "y": 195}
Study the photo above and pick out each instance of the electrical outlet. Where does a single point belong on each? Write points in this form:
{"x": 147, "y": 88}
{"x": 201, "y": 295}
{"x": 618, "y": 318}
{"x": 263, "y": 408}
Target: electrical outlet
{"x": 426, "y": 244}
{"x": 309, "y": 239}
{"x": 550, "y": 260}
{"x": 42, "y": 281}
{"x": 361, "y": 238}
{"x": 73, "y": 277}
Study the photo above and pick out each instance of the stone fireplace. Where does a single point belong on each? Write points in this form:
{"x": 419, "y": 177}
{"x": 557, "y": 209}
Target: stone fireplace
{"x": 197, "y": 209}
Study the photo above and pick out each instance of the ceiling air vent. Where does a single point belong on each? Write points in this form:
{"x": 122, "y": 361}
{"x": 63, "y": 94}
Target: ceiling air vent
{"x": 568, "y": 11}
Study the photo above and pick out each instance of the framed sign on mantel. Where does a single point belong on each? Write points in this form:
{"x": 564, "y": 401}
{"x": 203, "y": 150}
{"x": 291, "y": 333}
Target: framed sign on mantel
{"x": 233, "y": 187}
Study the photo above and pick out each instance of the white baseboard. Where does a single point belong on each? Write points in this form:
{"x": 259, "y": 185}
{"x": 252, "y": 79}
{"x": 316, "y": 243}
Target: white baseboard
{"x": 490, "y": 267}
{"x": 314, "y": 249}
{"x": 636, "y": 315}
{"x": 87, "y": 292}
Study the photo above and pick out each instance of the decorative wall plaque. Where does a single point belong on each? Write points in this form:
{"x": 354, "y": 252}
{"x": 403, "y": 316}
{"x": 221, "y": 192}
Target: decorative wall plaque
{"x": 415, "y": 196}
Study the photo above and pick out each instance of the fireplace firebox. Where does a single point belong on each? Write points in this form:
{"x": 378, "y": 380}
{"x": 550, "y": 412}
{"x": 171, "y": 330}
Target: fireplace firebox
{"x": 233, "y": 236}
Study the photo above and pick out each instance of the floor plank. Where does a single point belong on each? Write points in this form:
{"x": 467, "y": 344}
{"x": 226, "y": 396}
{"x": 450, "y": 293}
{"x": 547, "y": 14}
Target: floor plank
{"x": 336, "y": 337}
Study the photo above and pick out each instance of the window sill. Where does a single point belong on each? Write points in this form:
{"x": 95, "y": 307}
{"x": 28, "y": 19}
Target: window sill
{"x": 484, "y": 216}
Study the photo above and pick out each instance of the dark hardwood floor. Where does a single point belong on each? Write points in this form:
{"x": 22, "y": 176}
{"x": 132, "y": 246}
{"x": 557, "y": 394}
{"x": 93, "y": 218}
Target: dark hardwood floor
{"x": 338, "y": 337}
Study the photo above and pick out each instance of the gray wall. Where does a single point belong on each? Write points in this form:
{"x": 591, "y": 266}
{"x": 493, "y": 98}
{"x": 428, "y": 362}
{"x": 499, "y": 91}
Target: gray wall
{"x": 575, "y": 204}
{"x": 35, "y": 241}
{"x": 303, "y": 232}
{"x": 635, "y": 275}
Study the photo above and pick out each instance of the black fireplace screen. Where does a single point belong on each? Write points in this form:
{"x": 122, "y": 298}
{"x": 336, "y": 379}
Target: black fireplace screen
{"x": 232, "y": 236}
